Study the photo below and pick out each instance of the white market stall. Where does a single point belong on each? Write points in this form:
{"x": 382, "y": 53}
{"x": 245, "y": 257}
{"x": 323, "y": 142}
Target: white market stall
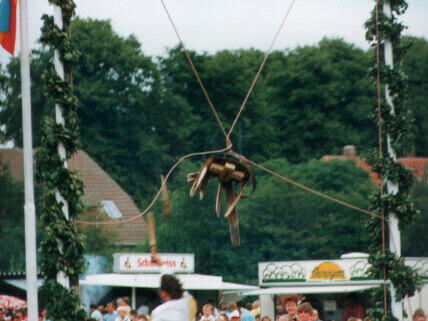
{"x": 134, "y": 270}
{"x": 326, "y": 278}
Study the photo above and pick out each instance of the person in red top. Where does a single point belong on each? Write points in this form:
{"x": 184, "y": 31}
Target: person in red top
{"x": 353, "y": 309}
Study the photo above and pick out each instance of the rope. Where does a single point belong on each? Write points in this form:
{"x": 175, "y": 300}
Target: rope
{"x": 410, "y": 307}
{"x": 379, "y": 120}
{"x": 260, "y": 68}
{"x": 228, "y": 148}
{"x": 133, "y": 218}
{"x": 189, "y": 59}
{"x": 306, "y": 188}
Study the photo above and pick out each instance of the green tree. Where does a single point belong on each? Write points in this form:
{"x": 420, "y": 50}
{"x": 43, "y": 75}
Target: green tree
{"x": 129, "y": 124}
{"x": 10, "y": 99}
{"x": 322, "y": 97}
{"x": 137, "y": 117}
{"x": 227, "y": 76}
{"x": 415, "y": 238}
{"x": 415, "y": 66}
{"x": 98, "y": 240}
{"x": 12, "y": 221}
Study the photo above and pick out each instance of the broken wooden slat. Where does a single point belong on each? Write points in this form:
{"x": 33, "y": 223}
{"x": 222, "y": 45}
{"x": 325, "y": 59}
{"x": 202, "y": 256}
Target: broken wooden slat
{"x": 218, "y": 169}
{"x": 165, "y": 198}
{"x": 192, "y": 176}
{"x": 218, "y": 199}
{"x": 152, "y": 238}
{"x": 235, "y": 201}
{"x": 233, "y": 217}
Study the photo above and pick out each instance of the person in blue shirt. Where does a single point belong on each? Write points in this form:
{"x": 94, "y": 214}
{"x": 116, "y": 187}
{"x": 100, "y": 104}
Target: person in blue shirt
{"x": 94, "y": 313}
{"x": 111, "y": 313}
{"x": 245, "y": 314}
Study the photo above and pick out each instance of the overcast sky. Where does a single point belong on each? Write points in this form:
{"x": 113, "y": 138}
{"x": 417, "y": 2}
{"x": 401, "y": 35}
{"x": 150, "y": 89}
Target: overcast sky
{"x": 211, "y": 25}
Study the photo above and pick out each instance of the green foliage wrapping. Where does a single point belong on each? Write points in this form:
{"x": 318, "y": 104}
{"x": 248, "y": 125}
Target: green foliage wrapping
{"x": 61, "y": 304}
{"x": 59, "y": 39}
{"x": 377, "y": 310}
{"x": 67, "y": 8}
{"x": 60, "y": 230}
{"x": 62, "y": 249}
{"x": 396, "y": 271}
{"x": 398, "y": 127}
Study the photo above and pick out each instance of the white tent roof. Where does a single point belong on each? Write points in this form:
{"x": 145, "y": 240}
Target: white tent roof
{"x": 235, "y": 287}
{"x": 22, "y": 283}
{"x": 312, "y": 289}
{"x": 189, "y": 281}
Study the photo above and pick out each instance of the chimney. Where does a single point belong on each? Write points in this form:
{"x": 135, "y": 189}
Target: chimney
{"x": 350, "y": 151}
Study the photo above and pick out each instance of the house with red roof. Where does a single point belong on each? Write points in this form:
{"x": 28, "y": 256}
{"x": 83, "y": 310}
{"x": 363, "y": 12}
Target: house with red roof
{"x": 100, "y": 191}
{"x": 418, "y": 164}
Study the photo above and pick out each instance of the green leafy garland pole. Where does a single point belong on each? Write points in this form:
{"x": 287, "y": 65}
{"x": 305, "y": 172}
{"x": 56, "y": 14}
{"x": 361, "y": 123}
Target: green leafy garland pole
{"x": 397, "y": 131}
{"x": 61, "y": 253}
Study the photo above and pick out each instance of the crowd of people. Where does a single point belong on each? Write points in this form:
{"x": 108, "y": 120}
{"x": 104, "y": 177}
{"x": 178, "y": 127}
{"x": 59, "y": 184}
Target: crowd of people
{"x": 179, "y": 305}
{"x": 10, "y": 314}
{"x": 119, "y": 310}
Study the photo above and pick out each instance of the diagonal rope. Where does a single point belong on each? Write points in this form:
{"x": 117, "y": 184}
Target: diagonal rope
{"x": 356, "y": 208}
{"x": 189, "y": 59}
{"x": 133, "y": 218}
{"x": 306, "y": 188}
{"x": 260, "y": 68}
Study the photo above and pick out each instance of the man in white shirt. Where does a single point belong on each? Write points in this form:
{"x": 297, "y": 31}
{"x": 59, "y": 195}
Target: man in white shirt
{"x": 176, "y": 307}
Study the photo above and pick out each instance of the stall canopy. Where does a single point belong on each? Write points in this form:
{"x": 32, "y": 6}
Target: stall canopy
{"x": 312, "y": 289}
{"x": 189, "y": 281}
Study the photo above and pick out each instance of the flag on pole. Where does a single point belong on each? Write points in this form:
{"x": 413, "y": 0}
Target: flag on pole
{"x": 8, "y": 24}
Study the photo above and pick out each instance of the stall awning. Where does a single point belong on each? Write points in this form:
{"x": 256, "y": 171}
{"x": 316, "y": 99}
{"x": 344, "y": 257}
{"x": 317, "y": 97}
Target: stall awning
{"x": 231, "y": 287}
{"x": 312, "y": 289}
{"x": 189, "y": 281}
{"x": 21, "y": 283}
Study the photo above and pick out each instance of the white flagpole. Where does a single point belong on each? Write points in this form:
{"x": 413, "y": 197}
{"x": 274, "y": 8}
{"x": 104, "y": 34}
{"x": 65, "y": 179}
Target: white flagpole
{"x": 29, "y": 208}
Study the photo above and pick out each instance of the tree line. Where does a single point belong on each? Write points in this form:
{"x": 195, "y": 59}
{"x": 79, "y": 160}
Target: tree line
{"x": 138, "y": 114}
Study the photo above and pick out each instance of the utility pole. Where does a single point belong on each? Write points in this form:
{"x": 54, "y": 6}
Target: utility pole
{"x": 29, "y": 208}
{"x": 61, "y": 278}
{"x": 394, "y": 232}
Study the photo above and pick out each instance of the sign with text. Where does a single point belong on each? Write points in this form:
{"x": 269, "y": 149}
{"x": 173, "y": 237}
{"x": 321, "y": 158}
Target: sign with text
{"x": 142, "y": 263}
{"x": 340, "y": 270}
